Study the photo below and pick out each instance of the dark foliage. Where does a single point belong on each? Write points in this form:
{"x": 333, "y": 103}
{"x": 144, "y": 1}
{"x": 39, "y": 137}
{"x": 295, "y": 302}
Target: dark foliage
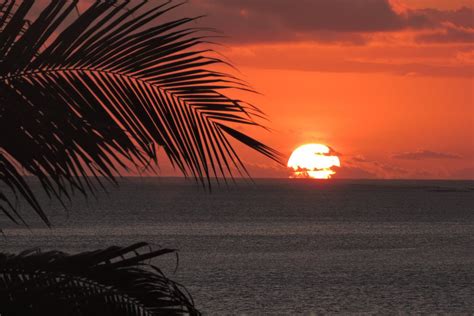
{"x": 115, "y": 281}
{"x": 83, "y": 96}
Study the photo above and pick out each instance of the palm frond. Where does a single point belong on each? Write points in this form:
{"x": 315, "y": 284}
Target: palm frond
{"x": 93, "y": 96}
{"x": 115, "y": 281}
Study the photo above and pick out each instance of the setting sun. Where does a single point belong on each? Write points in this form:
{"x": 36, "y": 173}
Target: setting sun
{"x": 313, "y": 161}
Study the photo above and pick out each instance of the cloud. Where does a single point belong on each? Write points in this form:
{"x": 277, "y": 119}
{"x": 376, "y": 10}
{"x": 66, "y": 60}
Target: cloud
{"x": 325, "y": 21}
{"x": 449, "y": 34}
{"x": 425, "y": 154}
{"x": 354, "y": 173}
{"x": 393, "y": 169}
{"x": 323, "y": 15}
{"x": 344, "y": 21}
{"x": 363, "y": 168}
{"x": 314, "y": 35}
{"x": 462, "y": 17}
{"x": 360, "y": 158}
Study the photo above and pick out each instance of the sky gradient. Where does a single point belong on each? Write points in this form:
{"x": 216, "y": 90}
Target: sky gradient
{"x": 387, "y": 84}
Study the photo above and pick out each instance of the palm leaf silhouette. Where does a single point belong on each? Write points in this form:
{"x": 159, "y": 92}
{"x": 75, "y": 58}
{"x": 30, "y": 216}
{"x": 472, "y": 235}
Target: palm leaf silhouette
{"x": 83, "y": 99}
{"x": 115, "y": 281}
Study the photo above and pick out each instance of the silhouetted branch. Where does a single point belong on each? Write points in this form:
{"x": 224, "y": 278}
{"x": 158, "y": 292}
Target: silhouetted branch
{"x": 85, "y": 99}
{"x": 115, "y": 281}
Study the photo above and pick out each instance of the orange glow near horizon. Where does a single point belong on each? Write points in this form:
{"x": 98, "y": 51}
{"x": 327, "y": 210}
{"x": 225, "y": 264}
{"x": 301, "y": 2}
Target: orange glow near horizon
{"x": 313, "y": 161}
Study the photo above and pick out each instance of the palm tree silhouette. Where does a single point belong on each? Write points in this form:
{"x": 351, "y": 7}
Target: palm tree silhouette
{"x": 79, "y": 100}
{"x": 83, "y": 96}
{"x": 115, "y": 281}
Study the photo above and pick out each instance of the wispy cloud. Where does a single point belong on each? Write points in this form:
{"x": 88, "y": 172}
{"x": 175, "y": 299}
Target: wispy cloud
{"x": 353, "y": 172}
{"x": 448, "y": 33}
{"x": 425, "y": 154}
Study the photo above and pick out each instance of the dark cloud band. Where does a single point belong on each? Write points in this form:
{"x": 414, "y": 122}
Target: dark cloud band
{"x": 325, "y": 20}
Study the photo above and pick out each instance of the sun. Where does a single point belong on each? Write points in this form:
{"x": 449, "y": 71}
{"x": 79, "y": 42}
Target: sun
{"x": 313, "y": 161}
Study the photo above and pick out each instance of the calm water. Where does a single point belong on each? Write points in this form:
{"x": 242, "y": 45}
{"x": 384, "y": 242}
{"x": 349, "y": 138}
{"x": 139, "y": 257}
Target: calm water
{"x": 288, "y": 247}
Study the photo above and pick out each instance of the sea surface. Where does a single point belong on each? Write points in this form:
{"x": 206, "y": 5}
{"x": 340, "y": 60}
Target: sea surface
{"x": 286, "y": 246}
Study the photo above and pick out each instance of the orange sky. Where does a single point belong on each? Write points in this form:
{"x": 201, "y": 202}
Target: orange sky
{"x": 391, "y": 90}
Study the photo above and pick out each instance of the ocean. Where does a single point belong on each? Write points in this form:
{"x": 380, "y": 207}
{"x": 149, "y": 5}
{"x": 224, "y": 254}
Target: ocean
{"x": 286, "y": 246}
